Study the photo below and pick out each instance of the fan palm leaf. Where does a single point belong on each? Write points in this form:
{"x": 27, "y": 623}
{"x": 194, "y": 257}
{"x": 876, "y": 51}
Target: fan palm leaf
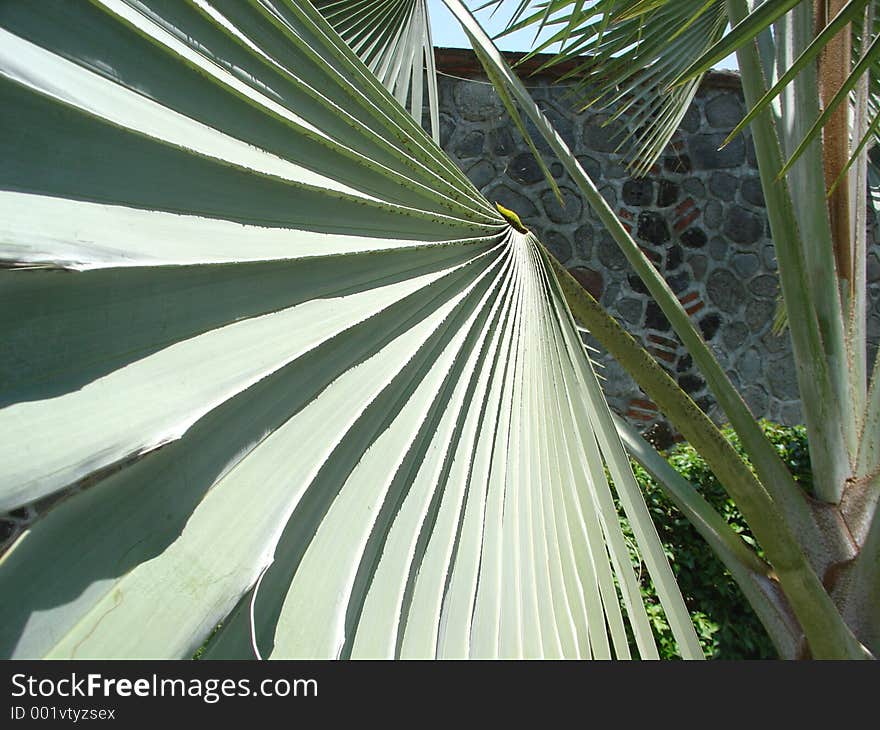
{"x": 274, "y": 364}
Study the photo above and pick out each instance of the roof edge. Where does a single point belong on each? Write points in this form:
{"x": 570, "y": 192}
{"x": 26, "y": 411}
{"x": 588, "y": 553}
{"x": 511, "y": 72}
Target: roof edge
{"x": 463, "y": 62}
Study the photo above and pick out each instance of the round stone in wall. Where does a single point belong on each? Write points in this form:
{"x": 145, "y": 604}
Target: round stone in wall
{"x": 501, "y": 141}
{"x": 557, "y": 213}
{"x": 768, "y": 255}
{"x": 759, "y": 314}
{"x": 718, "y": 248}
{"x": 481, "y": 174}
{"x": 873, "y": 328}
{"x": 742, "y": 226}
{"x": 725, "y": 111}
{"x": 652, "y": 227}
{"x": 746, "y": 264}
{"x": 694, "y": 186}
{"x": 751, "y": 156}
{"x": 631, "y": 309}
{"x": 470, "y": 145}
{"x": 478, "y": 101}
{"x": 615, "y": 169}
{"x": 691, "y": 383}
{"x": 756, "y": 399}
{"x": 698, "y": 266}
{"x": 668, "y": 193}
{"x": 610, "y": 254}
{"x": 748, "y": 365}
{"x": 694, "y": 238}
{"x": 713, "y": 214}
{"x": 725, "y": 290}
{"x": 611, "y": 295}
{"x": 782, "y": 380}
{"x": 638, "y": 192}
{"x": 618, "y": 383}
{"x": 734, "y": 378}
{"x": 583, "y": 242}
{"x": 636, "y": 284}
{"x": 709, "y": 325}
{"x": 679, "y": 283}
{"x": 558, "y": 245}
{"x": 706, "y": 155}
{"x": 561, "y": 123}
{"x": 677, "y": 162}
{"x": 524, "y": 168}
{"x": 654, "y": 317}
{"x": 692, "y": 119}
{"x": 609, "y": 193}
{"x": 752, "y": 191}
{"x": 764, "y": 286}
{"x": 775, "y": 344}
{"x": 723, "y": 185}
{"x": 601, "y": 135}
{"x": 734, "y": 335}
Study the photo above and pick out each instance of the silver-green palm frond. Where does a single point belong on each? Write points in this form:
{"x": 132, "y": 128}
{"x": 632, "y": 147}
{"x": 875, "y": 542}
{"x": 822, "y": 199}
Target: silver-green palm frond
{"x": 393, "y": 38}
{"x": 645, "y": 58}
{"x": 625, "y": 52}
{"x": 811, "y": 80}
{"x": 280, "y": 367}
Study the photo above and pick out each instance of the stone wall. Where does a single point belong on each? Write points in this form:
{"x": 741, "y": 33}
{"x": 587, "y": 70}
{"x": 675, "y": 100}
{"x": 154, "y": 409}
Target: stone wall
{"x": 699, "y": 216}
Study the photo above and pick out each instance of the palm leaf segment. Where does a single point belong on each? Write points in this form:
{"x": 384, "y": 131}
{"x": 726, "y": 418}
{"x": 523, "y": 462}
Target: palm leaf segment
{"x": 645, "y": 59}
{"x": 393, "y": 38}
{"x": 624, "y": 51}
{"x": 290, "y": 371}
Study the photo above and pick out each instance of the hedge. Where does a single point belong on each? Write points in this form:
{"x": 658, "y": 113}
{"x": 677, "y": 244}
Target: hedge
{"x": 725, "y": 623}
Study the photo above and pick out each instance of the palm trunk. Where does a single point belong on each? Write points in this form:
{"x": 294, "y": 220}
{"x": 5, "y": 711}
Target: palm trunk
{"x": 834, "y": 65}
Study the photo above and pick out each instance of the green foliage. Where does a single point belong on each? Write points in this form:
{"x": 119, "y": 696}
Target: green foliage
{"x": 726, "y": 625}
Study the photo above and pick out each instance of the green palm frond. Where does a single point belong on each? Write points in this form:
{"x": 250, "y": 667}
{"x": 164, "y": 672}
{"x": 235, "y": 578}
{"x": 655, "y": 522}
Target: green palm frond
{"x": 393, "y": 38}
{"x": 849, "y": 19}
{"x": 281, "y": 367}
{"x": 625, "y": 52}
{"x": 645, "y": 58}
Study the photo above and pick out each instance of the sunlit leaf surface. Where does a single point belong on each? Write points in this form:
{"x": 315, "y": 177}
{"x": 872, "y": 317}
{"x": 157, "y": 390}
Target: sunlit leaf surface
{"x": 297, "y": 375}
{"x": 393, "y": 38}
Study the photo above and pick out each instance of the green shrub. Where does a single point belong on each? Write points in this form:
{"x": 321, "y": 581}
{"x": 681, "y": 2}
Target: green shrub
{"x": 725, "y": 623}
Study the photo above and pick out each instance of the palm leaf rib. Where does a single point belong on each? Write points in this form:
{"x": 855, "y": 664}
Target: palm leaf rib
{"x": 295, "y": 375}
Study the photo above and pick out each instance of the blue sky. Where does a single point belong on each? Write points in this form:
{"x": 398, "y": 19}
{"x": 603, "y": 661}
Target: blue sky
{"x": 447, "y": 33}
